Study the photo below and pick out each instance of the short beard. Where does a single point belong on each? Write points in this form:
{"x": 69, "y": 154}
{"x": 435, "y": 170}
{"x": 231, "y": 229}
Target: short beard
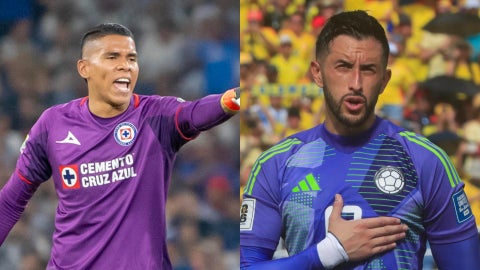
{"x": 336, "y": 109}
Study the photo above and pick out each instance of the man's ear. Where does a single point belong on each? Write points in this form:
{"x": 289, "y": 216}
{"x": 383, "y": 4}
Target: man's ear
{"x": 82, "y": 68}
{"x": 315, "y": 70}
{"x": 386, "y": 79}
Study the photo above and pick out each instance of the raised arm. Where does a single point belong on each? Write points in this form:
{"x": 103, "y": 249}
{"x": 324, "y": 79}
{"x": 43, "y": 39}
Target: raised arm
{"x": 207, "y": 112}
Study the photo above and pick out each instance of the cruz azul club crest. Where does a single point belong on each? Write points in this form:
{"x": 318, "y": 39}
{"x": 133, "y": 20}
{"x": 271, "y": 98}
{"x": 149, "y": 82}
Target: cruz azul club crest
{"x": 125, "y": 133}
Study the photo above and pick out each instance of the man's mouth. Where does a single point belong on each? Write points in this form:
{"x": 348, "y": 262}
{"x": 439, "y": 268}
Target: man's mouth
{"x": 354, "y": 103}
{"x": 123, "y": 84}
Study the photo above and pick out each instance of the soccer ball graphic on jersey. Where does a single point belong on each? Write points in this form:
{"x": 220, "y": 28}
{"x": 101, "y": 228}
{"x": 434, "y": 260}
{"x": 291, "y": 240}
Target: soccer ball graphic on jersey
{"x": 389, "y": 180}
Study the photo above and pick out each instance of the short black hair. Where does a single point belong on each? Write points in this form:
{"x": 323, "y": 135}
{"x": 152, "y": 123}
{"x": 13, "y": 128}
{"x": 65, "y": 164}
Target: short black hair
{"x": 102, "y": 30}
{"x": 357, "y": 24}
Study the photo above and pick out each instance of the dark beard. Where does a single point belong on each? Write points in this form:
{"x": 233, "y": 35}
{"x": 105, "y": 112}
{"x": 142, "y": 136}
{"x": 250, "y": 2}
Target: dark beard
{"x": 336, "y": 109}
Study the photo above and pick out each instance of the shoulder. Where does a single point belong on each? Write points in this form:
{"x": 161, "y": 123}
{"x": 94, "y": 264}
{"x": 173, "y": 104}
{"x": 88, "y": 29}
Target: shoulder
{"x": 419, "y": 146}
{"x": 287, "y": 147}
{"x": 412, "y": 142}
{"x": 156, "y": 99}
{"x": 70, "y": 109}
{"x": 159, "y": 104}
{"x": 308, "y": 135}
{"x": 430, "y": 160}
{"x": 426, "y": 155}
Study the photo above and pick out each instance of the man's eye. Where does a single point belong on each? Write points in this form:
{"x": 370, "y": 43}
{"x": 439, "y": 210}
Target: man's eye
{"x": 369, "y": 71}
{"x": 343, "y": 67}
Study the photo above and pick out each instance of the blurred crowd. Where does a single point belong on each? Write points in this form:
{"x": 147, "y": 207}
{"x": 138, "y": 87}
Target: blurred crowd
{"x": 186, "y": 48}
{"x": 434, "y": 88}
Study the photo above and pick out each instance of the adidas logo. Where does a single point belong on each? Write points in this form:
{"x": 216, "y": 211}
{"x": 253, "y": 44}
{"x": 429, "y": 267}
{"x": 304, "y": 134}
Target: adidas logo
{"x": 307, "y": 184}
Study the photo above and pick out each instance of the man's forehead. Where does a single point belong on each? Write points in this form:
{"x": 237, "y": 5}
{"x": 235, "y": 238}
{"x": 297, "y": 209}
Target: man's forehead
{"x": 109, "y": 43}
{"x": 369, "y": 46}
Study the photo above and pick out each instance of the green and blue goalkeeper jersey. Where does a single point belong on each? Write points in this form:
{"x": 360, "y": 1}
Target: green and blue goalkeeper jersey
{"x": 386, "y": 171}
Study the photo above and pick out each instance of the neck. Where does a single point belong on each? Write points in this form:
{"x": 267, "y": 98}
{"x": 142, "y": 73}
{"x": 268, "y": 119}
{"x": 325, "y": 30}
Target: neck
{"x": 338, "y": 128}
{"x": 105, "y": 110}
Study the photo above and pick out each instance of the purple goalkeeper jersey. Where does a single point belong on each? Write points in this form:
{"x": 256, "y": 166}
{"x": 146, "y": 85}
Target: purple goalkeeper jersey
{"x": 111, "y": 177}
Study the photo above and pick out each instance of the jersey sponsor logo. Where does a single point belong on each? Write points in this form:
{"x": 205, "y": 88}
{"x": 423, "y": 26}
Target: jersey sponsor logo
{"x": 307, "y": 184}
{"x": 95, "y": 174}
{"x": 461, "y": 206}
{"x": 389, "y": 180}
{"x": 70, "y": 176}
{"x": 247, "y": 214}
{"x": 70, "y": 139}
{"x": 125, "y": 133}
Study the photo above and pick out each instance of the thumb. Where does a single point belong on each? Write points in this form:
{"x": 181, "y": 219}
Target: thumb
{"x": 337, "y": 207}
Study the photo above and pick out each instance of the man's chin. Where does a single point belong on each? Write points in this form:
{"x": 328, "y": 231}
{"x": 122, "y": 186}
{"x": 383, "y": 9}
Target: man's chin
{"x": 120, "y": 100}
{"x": 353, "y": 120}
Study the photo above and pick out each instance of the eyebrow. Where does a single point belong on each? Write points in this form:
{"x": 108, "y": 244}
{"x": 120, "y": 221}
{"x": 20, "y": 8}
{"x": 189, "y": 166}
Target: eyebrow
{"x": 342, "y": 61}
{"x": 369, "y": 66}
{"x": 362, "y": 66}
{"x": 116, "y": 54}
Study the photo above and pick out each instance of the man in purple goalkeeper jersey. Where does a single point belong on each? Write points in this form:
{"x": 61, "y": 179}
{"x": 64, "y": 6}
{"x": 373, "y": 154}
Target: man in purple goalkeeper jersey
{"x": 369, "y": 166}
{"x": 110, "y": 155}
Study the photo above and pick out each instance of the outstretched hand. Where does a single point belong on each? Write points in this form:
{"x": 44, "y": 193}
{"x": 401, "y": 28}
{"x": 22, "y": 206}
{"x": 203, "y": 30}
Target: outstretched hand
{"x": 364, "y": 238}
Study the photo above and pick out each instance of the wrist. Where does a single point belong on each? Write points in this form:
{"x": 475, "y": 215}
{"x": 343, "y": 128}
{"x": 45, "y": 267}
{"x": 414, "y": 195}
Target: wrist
{"x": 331, "y": 252}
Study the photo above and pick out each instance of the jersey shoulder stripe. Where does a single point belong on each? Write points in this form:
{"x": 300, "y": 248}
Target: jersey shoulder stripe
{"x": 282, "y": 147}
{"x": 452, "y": 174}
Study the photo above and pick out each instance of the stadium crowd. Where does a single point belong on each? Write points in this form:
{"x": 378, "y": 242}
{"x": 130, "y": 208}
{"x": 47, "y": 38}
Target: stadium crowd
{"x": 434, "y": 88}
{"x": 186, "y": 48}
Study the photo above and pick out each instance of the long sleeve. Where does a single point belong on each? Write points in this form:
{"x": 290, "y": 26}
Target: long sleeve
{"x": 253, "y": 258}
{"x": 201, "y": 115}
{"x": 460, "y": 255}
{"x": 14, "y": 197}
